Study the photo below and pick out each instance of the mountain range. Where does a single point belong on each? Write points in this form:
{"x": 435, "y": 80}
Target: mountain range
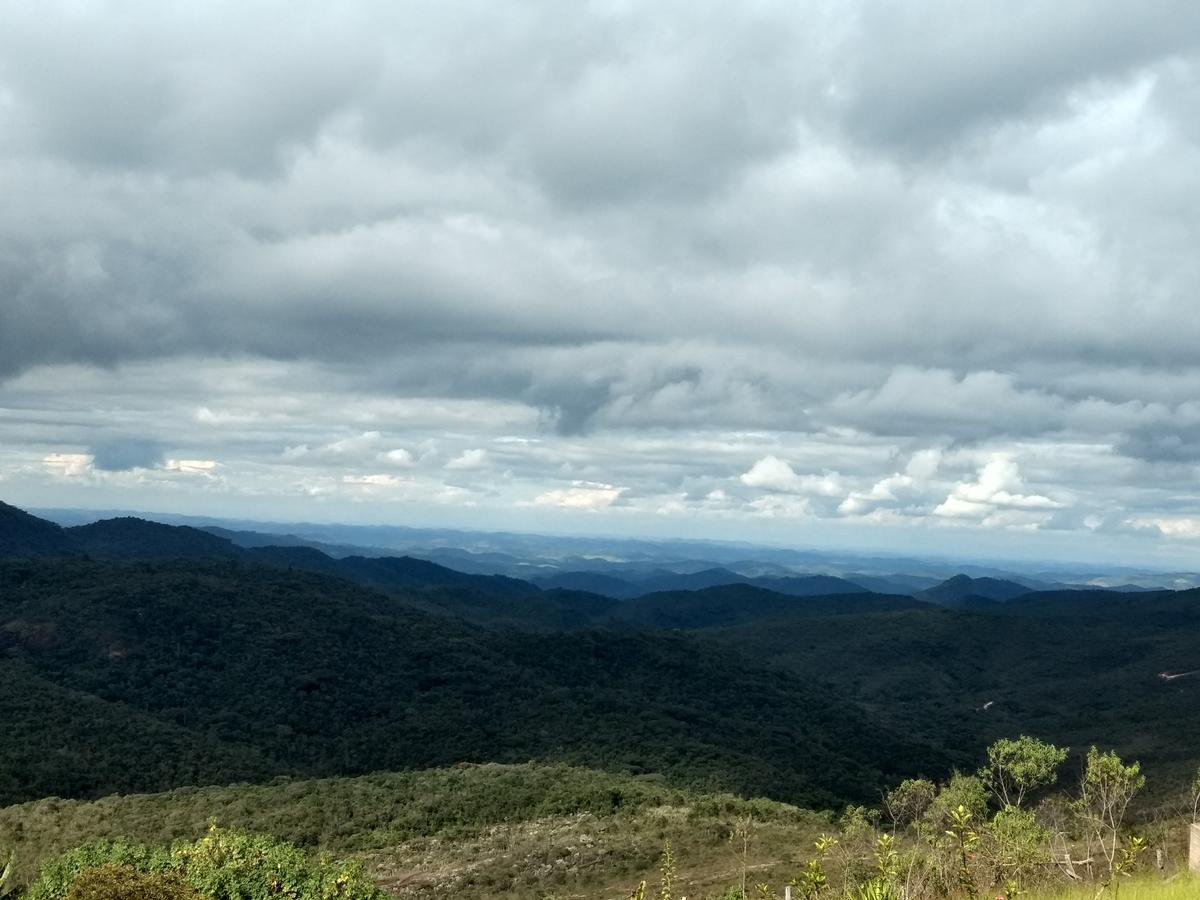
{"x": 212, "y": 658}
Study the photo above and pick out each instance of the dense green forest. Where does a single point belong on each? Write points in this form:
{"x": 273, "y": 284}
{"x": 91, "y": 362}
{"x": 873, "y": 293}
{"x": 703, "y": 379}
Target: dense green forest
{"x": 276, "y": 672}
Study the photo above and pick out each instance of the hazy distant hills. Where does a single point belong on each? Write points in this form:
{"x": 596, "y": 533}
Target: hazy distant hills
{"x": 962, "y": 590}
{"x": 133, "y": 538}
{"x": 728, "y": 605}
{"x": 128, "y": 538}
{"x": 534, "y": 557}
{"x": 662, "y": 581}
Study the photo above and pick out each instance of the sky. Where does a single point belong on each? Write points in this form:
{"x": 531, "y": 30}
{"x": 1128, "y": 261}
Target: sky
{"x": 919, "y": 276}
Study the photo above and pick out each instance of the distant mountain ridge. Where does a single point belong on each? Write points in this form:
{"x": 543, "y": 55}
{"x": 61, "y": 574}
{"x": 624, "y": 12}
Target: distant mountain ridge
{"x": 129, "y": 538}
{"x": 664, "y": 582}
{"x": 132, "y": 539}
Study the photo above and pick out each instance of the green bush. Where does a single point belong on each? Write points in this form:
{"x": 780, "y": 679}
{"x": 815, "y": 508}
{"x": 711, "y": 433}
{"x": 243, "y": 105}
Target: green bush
{"x": 114, "y": 882}
{"x": 58, "y": 874}
{"x": 236, "y": 865}
{"x": 222, "y": 865}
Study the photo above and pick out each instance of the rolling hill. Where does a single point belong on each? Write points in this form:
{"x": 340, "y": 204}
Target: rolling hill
{"x": 297, "y": 673}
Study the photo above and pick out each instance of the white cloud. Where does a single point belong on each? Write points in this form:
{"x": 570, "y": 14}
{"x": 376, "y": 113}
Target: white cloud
{"x": 995, "y": 499}
{"x": 774, "y": 474}
{"x": 469, "y": 460}
{"x": 69, "y": 465}
{"x": 398, "y": 457}
{"x": 353, "y": 447}
{"x": 1182, "y": 527}
{"x": 581, "y": 495}
{"x": 190, "y": 466}
{"x": 779, "y": 506}
{"x": 377, "y": 480}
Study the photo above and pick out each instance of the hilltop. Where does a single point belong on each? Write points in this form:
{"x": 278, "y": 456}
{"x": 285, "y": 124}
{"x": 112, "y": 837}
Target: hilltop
{"x": 23, "y": 536}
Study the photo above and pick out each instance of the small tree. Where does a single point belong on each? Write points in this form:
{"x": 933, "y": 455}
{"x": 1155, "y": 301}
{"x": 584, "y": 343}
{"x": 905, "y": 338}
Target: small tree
{"x": 908, "y": 802}
{"x": 966, "y": 839}
{"x": 966, "y": 791}
{"x": 1017, "y": 848}
{"x": 1016, "y": 768}
{"x": 1106, "y": 791}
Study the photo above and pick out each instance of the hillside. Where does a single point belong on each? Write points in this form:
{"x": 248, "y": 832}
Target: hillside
{"x": 62, "y": 741}
{"x": 506, "y": 830}
{"x": 319, "y": 677}
{"x": 23, "y": 536}
{"x": 1074, "y": 667}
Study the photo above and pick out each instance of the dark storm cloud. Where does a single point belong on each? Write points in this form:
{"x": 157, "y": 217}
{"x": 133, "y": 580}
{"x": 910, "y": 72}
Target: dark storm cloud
{"x": 1169, "y": 442}
{"x": 127, "y": 454}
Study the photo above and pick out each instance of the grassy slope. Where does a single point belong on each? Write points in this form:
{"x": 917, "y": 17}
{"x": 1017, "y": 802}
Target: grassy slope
{"x": 510, "y": 831}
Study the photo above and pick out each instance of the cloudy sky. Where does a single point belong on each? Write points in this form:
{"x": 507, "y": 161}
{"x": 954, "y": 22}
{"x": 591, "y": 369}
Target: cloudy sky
{"x": 919, "y": 275}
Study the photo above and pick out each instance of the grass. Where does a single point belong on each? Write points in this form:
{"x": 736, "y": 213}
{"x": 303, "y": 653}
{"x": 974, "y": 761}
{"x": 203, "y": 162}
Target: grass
{"x": 1180, "y": 887}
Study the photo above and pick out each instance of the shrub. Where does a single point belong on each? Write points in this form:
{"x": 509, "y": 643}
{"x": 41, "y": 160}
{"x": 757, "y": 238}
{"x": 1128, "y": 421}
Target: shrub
{"x": 223, "y": 865}
{"x": 115, "y": 882}
{"x": 58, "y": 874}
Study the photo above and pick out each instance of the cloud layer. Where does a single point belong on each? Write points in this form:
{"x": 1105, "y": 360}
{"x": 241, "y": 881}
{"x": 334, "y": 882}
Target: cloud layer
{"x": 698, "y": 267}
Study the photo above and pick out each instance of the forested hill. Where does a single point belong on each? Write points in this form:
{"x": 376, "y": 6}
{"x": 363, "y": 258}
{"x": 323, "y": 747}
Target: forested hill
{"x": 23, "y": 536}
{"x": 267, "y": 671}
{"x": 206, "y": 662}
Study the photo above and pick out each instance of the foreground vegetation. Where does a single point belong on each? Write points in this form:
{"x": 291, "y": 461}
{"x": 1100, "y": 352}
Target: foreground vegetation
{"x": 520, "y": 831}
{"x": 533, "y": 831}
{"x": 982, "y": 834}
